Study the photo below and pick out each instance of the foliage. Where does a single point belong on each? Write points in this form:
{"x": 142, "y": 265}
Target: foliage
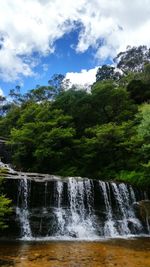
{"x": 139, "y": 91}
{"x": 143, "y": 131}
{"x": 107, "y": 72}
{"x": 77, "y": 104}
{"x": 5, "y": 207}
{"x": 112, "y": 103}
{"x": 134, "y": 178}
{"x": 101, "y": 134}
{"x": 42, "y": 138}
{"x": 133, "y": 59}
{"x": 108, "y": 149}
{"x": 56, "y": 82}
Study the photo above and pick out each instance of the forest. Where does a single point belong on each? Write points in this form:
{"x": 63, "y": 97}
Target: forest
{"x": 102, "y": 133}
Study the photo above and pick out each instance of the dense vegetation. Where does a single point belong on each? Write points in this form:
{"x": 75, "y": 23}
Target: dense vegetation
{"x": 4, "y": 204}
{"x": 101, "y": 134}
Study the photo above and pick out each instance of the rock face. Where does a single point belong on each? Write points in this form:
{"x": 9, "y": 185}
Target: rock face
{"x": 5, "y": 154}
{"x": 144, "y": 209}
{"x": 9, "y": 173}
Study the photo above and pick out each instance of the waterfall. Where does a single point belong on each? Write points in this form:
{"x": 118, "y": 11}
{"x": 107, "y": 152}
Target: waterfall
{"x": 77, "y": 219}
{"x": 81, "y": 218}
{"x": 109, "y": 228}
{"x": 59, "y": 211}
{"x": 124, "y": 203}
{"x": 23, "y": 212}
{"x": 51, "y": 207}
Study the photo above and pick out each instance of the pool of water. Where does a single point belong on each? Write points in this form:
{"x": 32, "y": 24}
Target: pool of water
{"x": 107, "y": 253}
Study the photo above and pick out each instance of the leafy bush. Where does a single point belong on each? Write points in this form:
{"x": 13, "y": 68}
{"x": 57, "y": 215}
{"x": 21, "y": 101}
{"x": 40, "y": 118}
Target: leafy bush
{"x": 5, "y": 207}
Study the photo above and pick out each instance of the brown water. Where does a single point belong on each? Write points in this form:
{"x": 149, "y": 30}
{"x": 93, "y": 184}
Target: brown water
{"x": 110, "y": 253}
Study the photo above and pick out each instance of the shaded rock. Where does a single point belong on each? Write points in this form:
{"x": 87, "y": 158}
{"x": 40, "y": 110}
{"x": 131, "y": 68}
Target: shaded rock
{"x": 143, "y": 207}
{"x": 6, "y": 263}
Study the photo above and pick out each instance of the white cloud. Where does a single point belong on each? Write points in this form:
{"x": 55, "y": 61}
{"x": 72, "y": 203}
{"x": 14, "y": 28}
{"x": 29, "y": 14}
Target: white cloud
{"x": 34, "y": 25}
{"x": 83, "y": 79}
{"x": 1, "y": 92}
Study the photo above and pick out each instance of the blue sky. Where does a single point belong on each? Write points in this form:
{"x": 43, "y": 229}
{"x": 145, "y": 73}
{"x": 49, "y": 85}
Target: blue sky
{"x": 64, "y": 59}
{"x": 39, "y": 38}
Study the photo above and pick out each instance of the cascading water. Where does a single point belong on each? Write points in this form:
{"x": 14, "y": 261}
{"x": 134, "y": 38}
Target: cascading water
{"x": 128, "y": 224}
{"x": 22, "y": 210}
{"x": 77, "y": 218}
{"x": 109, "y": 228}
{"x": 81, "y": 216}
{"x": 71, "y": 209}
{"x": 51, "y": 207}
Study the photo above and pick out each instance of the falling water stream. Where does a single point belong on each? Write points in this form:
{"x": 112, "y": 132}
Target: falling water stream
{"x": 71, "y": 210}
{"x": 53, "y": 208}
{"x": 22, "y": 211}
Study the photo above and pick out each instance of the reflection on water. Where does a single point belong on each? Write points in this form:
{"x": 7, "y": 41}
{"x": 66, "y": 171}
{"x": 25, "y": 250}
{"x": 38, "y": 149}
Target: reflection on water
{"x": 115, "y": 252}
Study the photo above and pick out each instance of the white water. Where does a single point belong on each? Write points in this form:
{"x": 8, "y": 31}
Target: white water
{"x": 23, "y": 212}
{"x": 76, "y": 221}
{"x": 109, "y": 228}
{"x": 77, "y": 218}
{"x": 126, "y": 209}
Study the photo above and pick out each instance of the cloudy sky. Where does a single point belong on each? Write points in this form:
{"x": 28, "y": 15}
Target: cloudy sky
{"x": 41, "y": 37}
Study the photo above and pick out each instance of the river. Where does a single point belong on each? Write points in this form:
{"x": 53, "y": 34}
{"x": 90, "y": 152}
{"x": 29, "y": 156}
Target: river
{"x": 106, "y": 253}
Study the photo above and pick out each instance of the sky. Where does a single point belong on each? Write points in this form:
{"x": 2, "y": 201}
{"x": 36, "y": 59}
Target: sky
{"x": 39, "y": 38}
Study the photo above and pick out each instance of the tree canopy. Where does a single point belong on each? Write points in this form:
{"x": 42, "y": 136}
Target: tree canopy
{"x": 103, "y": 133}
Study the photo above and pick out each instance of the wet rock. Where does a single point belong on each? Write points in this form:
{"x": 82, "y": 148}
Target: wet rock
{"x": 144, "y": 209}
{"x": 73, "y": 234}
{"x": 53, "y": 259}
{"x": 6, "y": 263}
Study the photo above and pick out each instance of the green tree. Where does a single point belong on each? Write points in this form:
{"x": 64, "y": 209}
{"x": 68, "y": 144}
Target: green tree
{"x": 42, "y": 139}
{"x": 4, "y": 210}
{"x": 133, "y": 59}
{"x": 139, "y": 91}
{"x": 57, "y": 83}
{"x": 5, "y": 207}
{"x": 111, "y": 103}
{"x": 144, "y": 132}
{"x": 39, "y": 94}
{"x": 9, "y": 120}
{"x": 107, "y": 150}
{"x": 107, "y": 72}
{"x": 146, "y": 73}
{"x": 78, "y": 105}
